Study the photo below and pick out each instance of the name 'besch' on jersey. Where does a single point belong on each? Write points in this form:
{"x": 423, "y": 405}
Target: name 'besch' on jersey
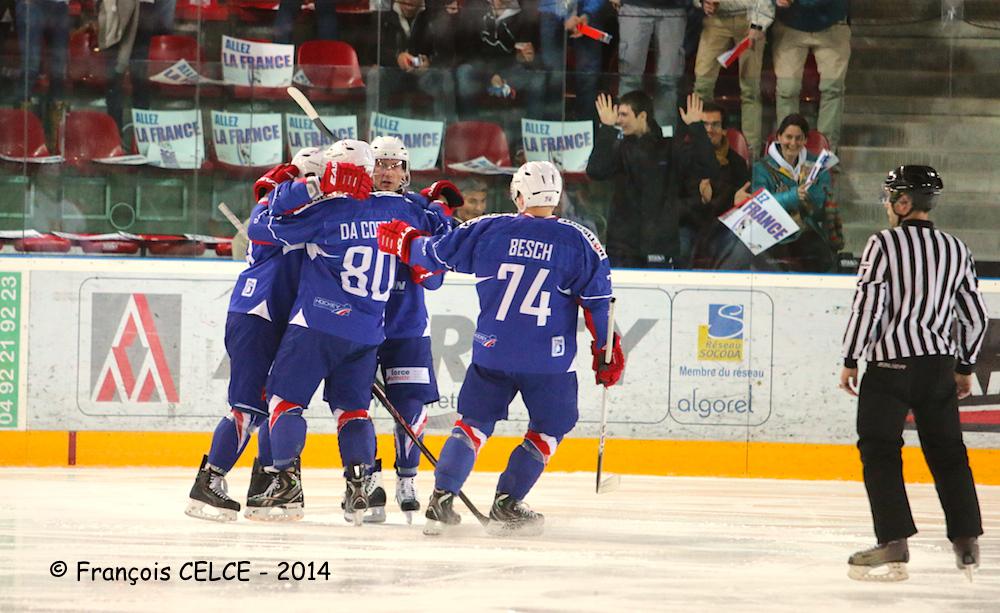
{"x": 531, "y": 274}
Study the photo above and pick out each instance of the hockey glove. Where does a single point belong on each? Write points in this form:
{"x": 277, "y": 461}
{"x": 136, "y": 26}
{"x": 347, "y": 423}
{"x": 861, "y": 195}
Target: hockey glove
{"x": 271, "y": 179}
{"x": 348, "y": 179}
{"x": 447, "y": 193}
{"x": 608, "y": 374}
{"x": 396, "y": 237}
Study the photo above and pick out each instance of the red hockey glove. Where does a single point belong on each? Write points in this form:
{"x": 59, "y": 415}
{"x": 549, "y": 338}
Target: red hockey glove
{"x": 395, "y": 238}
{"x": 349, "y": 179}
{"x": 447, "y": 193}
{"x": 271, "y": 179}
{"x": 419, "y": 274}
{"x": 608, "y": 374}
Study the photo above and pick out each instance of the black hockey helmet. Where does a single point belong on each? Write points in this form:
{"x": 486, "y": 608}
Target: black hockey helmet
{"x": 922, "y": 183}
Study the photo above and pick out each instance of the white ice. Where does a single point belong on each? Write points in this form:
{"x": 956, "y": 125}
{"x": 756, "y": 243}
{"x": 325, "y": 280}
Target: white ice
{"x": 657, "y": 544}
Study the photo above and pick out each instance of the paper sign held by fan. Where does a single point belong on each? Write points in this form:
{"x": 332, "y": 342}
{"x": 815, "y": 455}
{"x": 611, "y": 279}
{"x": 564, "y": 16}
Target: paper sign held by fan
{"x": 760, "y": 222}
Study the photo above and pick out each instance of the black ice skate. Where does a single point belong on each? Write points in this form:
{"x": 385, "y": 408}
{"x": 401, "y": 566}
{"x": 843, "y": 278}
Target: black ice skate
{"x": 966, "y": 554}
{"x": 440, "y": 514}
{"x": 210, "y": 490}
{"x": 509, "y": 517}
{"x": 893, "y": 556}
{"x": 260, "y": 480}
{"x": 356, "y": 496}
{"x": 376, "y": 498}
{"x": 282, "y": 498}
{"x": 406, "y": 496}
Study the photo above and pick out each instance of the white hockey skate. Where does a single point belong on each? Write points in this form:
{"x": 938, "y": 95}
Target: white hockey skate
{"x": 883, "y": 562}
{"x": 209, "y": 497}
{"x": 406, "y": 496}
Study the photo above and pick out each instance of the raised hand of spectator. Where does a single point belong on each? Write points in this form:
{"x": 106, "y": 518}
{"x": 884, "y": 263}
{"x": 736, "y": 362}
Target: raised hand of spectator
{"x": 572, "y": 23}
{"x": 710, "y": 6}
{"x": 525, "y": 52}
{"x": 705, "y": 188}
{"x": 607, "y": 111}
{"x": 803, "y": 192}
{"x": 694, "y": 111}
{"x": 405, "y": 61}
{"x": 742, "y": 194}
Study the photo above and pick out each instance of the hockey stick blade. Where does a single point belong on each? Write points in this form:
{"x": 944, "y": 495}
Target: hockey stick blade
{"x": 610, "y": 484}
{"x": 233, "y": 219}
{"x": 382, "y": 397}
{"x": 310, "y": 111}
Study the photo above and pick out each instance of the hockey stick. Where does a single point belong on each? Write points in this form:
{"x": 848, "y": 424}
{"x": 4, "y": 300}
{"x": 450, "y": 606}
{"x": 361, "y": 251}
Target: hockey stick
{"x": 233, "y": 219}
{"x": 382, "y": 397}
{"x": 612, "y": 482}
{"x": 310, "y": 111}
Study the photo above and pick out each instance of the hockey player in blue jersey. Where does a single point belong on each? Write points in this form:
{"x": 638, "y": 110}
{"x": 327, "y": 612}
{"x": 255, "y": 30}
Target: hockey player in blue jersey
{"x": 336, "y": 325}
{"x": 405, "y": 357}
{"x": 533, "y": 271}
{"x": 258, "y": 314}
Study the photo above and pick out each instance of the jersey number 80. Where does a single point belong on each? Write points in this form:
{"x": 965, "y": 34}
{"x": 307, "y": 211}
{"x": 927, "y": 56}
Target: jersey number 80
{"x": 355, "y": 280}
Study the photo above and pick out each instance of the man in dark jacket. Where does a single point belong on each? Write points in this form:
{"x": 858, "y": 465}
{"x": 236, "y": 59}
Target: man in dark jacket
{"x": 416, "y": 53}
{"x": 648, "y": 169}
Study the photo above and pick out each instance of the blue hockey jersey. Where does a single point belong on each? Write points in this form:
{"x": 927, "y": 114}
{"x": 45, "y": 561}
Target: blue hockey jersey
{"x": 531, "y": 275}
{"x": 268, "y": 285}
{"x": 406, "y": 313}
{"x": 346, "y": 280}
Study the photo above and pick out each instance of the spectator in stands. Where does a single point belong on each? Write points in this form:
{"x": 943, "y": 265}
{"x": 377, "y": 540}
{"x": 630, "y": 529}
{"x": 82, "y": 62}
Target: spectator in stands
{"x": 126, "y": 29}
{"x": 38, "y": 20}
{"x": 727, "y": 22}
{"x": 821, "y": 27}
{"x": 498, "y": 49}
{"x": 648, "y": 169}
{"x": 714, "y": 196}
{"x": 476, "y": 194}
{"x": 554, "y": 25}
{"x": 288, "y": 11}
{"x": 783, "y": 172}
{"x": 416, "y": 52}
{"x": 660, "y": 23}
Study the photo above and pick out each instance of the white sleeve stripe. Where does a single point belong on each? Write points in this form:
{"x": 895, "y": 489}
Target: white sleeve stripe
{"x": 596, "y": 297}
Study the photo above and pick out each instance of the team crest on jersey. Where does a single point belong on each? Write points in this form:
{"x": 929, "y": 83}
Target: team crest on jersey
{"x": 337, "y": 308}
{"x": 486, "y": 340}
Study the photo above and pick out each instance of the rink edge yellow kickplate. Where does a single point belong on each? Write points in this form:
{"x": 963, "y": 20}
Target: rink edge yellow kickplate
{"x": 636, "y": 457}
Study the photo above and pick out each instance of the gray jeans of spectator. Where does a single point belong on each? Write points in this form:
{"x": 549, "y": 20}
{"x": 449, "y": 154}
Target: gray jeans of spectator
{"x": 637, "y": 28}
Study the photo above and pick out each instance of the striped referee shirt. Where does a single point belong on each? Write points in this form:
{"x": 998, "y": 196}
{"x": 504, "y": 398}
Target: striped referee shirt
{"x": 912, "y": 282}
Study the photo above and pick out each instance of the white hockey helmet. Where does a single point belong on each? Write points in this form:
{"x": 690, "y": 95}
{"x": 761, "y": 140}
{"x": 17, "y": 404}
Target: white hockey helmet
{"x": 309, "y": 161}
{"x": 353, "y": 152}
{"x": 539, "y": 183}
{"x": 392, "y": 148}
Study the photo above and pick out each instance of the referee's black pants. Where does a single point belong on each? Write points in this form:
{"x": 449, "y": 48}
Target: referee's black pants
{"x": 889, "y": 390}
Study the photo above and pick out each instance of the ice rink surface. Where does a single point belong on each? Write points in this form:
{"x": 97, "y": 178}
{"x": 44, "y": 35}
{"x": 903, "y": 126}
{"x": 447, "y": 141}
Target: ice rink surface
{"x": 657, "y": 544}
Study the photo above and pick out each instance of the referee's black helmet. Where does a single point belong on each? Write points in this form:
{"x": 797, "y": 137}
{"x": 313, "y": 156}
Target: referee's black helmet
{"x": 922, "y": 183}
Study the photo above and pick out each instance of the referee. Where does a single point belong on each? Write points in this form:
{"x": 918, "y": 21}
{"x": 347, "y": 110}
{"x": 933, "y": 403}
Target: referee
{"x": 913, "y": 282}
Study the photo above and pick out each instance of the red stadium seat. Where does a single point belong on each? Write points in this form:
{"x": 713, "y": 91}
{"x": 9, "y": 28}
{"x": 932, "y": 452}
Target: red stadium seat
{"x": 206, "y": 10}
{"x": 44, "y": 243}
{"x": 22, "y": 134}
{"x": 738, "y": 143}
{"x": 467, "y": 140}
{"x": 330, "y": 64}
{"x": 354, "y": 7}
{"x": 112, "y": 246}
{"x": 87, "y": 67}
{"x": 224, "y": 250}
{"x": 90, "y": 135}
{"x": 172, "y": 245}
